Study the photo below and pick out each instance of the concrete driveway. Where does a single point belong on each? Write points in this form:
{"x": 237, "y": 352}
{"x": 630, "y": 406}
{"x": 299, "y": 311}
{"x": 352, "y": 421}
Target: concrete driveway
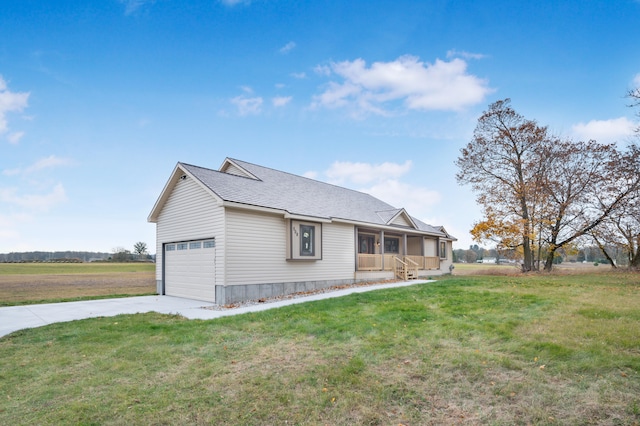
{"x": 16, "y": 318}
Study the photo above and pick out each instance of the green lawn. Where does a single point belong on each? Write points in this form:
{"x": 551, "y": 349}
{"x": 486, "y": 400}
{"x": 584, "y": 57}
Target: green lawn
{"x": 504, "y": 350}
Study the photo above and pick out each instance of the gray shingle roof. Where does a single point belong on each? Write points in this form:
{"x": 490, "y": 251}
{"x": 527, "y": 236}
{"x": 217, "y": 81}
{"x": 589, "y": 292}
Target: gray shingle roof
{"x": 298, "y": 195}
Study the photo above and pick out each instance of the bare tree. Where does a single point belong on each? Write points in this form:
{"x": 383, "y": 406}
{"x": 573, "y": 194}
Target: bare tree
{"x": 540, "y": 192}
{"x": 634, "y": 95}
{"x": 578, "y": 192}
{"x": 503, "y": 165}
{"x": 621, "y": 228}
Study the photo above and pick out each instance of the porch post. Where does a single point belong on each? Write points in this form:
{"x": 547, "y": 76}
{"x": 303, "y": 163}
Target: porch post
{"x": 355, "y": 244}
{"x": 404, "y": 245}
{"x": 382, "y": 249}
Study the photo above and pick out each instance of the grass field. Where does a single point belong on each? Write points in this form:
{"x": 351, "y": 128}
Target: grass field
{"x": 483, "y": 349}
{"x": 28, "y": 283}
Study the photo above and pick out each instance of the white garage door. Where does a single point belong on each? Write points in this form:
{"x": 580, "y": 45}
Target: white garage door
{"x": 190, "y": 269}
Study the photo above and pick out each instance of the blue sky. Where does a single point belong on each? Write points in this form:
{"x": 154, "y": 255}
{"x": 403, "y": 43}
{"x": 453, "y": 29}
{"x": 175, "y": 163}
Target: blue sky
{"x": 100, "y": 99}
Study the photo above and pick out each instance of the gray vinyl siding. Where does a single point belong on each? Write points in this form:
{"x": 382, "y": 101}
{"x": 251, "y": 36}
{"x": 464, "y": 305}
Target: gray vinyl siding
{"x": 256, "y": 251}
{"x": 190, "y": 213}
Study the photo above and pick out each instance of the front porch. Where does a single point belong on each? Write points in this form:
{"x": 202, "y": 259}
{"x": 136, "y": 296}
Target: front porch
{"x": 388, "y": 255}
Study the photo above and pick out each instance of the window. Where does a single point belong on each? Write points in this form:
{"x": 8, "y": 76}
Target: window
{"x": 443, "y": 250}
{"x": 307, "y": 237}
{"x": 366, "y": 244}
{"x": 304, "y": 240}
{"x": 195, "y": 245}
{"x": 182, "y": 246}
{"x": 170, "y": 247}
{"x": 391, "y": 245}
{"x": 209, "y": 244}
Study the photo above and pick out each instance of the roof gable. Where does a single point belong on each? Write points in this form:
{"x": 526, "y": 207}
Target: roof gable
{"x": 179, "y": 172}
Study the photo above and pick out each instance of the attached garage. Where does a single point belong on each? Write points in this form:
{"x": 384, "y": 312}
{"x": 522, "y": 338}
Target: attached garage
{"x": 189, "y": 269}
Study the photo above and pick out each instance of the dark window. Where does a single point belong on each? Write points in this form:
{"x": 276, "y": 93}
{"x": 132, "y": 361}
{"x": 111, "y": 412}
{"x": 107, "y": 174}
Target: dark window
{"x": 307, "y": 238}
{"x": 391, "y": 245}
{"x": 443, "y": 250}
{"x": 366, "y": 244}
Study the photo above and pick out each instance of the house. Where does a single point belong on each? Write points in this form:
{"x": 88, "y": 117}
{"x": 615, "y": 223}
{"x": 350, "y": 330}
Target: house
{"x": 246, "y": 232}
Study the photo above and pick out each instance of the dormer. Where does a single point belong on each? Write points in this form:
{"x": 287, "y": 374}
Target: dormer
{"x": 231, "y": 167}
{"x": 397, "y": 217}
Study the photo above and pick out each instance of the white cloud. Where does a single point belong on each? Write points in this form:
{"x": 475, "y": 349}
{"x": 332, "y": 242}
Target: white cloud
{"x": 287, "y": 47}
{"x": 42, "y": 202}
{"x": 362, "y": 173}
{"x": 322, "y": 70}
{"x": 132, "y": 6}
{"x": 44, "y": 163}
{"x": 439, "y": 86}
{"x": 14, "y": 138}
{"x": 10, "y": 102}
{"x": 383, "y": 181}
{"x": 453, "y": 53}
{"x": 416, "y": 200}
{"x": 247, "y": 106}
{"x": 636, "y": 80}
{"x": 280, "y": 101}
{"x": 604, "y": 131}
{"x": 299, "y": 75}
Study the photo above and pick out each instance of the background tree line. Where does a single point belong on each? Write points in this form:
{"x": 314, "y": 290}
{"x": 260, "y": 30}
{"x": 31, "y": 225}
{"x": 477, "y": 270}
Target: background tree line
{"x": 541, "y": 194}
{"x": 118, "y": 254}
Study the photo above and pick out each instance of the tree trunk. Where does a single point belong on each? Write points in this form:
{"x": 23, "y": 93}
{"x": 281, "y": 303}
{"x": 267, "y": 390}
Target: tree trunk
{"x": 634, "y": 261}
{"x": 602, "y": 248}
{"x": 548, "y": 264}
{"x": 527, "y": 266}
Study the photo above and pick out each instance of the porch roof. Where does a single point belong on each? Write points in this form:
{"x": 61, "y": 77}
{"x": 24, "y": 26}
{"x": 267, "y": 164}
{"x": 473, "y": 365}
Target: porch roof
{"x": 259, "y": 186}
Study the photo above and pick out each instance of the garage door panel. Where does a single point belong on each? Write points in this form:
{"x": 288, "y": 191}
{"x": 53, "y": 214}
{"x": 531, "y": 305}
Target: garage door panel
{"x": 190, "y": 273}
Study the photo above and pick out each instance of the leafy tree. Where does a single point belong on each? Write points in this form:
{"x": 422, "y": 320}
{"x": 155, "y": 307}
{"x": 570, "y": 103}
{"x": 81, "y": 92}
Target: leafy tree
{"x": 120, "y": 254}
{"x": 471, "y": 256}
{"x": 140, "y": 248}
